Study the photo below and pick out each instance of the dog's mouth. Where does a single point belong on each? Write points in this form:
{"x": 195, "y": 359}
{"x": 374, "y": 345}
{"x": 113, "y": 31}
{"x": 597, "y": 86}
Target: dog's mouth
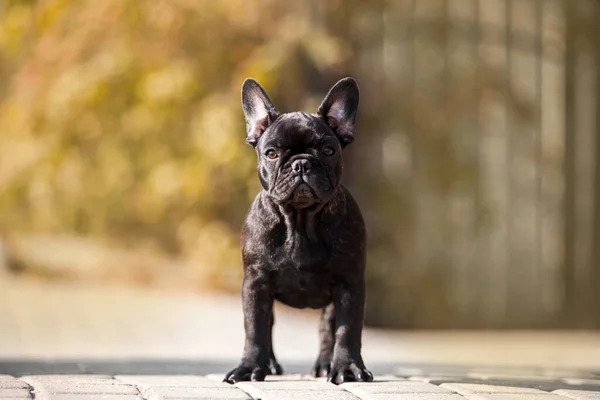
{"x": 303, "y": 195}
{"x": 299, "y": 193}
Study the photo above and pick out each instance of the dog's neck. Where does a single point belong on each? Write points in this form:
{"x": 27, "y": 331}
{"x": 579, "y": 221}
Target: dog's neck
{"x": 303, "y": 222}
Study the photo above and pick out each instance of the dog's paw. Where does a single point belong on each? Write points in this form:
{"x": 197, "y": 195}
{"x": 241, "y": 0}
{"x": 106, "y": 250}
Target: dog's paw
{"x": 275, "y": 367}
{"x": 322, "y": 367}
{"x": 247, "y": 373}
{"x": 348, "y": 371}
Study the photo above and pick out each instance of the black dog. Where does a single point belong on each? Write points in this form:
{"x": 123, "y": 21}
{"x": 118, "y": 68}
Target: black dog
{"x": 303, "y": 240}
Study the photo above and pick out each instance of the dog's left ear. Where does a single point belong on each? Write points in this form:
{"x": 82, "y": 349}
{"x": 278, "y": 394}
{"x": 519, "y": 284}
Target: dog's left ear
{"x": 258, "y": 110}
{"x": 339, "y": 109}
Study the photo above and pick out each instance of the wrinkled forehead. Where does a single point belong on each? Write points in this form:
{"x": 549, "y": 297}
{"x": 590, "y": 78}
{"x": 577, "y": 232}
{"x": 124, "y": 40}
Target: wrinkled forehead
{"x": 296, "y": 128}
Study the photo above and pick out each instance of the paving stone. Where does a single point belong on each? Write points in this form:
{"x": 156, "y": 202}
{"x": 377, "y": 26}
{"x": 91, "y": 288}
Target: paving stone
{"x": 92, "y": 397}
{"x": 294, "y": 394}
{"x": 171, "y": 381}
{"x": 377, "y": 378}
{"x": 157, "y": 387}
{"x": 294, "y": 389}
{"x": 50, "y": 386}
{"x": 544, "y": 383}
{"x": 578, "y": 394}
{"x": 473, "y": 388}
{"x": 16, "y": 398}
{"x": 292, "y": 377}
{"x": 383, "y": 378}
{"x": 164, "y": 393}
{"x": 404, "y": 386}
{"x": 8, "y": 382}
{"x": 84, "y": 388}
{"x": 411, "y": 396}
{"x": 15, "y": 393}
{"x": 382, "y": 389}
{"x": 515, "y": 396}
{"x": 269, "y": 378}
{"x": 290, "y": 385}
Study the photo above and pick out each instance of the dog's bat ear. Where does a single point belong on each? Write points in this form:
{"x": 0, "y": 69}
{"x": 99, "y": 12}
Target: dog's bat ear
{"x": 258, "y": 110}
{"x": 339, "y": 109}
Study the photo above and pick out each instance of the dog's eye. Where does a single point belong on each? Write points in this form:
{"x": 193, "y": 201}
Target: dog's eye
{"x": 272, "y": 154}
{"x": 328, "y": 151}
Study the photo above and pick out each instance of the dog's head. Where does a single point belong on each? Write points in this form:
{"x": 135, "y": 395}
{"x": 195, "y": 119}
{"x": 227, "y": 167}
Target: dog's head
{"x": 300, "y": 154}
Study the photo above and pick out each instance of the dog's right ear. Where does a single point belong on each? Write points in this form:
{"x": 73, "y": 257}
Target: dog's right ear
{"x": 258, "y": 110}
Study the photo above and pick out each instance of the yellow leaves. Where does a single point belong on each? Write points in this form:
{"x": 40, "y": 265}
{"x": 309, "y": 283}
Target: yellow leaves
{"x": 164, "y": 15}
{"x": 263, "y": 65}
{"x": 195, "y": 181}
{"x": 82, "y": 84}
{"x": 66, "y": 91}
{"x": 14, "y": 24}
{"x": 12, "y": 117}
{"x": 113, "y": 166}
{"x": 174, "y": 82}
{"x": 18, "y": 154}
{"x": 138, "y": 121}
{"x": 165, "y": 180}
{"x": 216, "y": 131}
{"x": 47, "y": 13}
{"x": 245, "y": 14}
{"x": 69, "y": 175}
{"x": 326, "y": 51}
{"x": 40, "y": 193}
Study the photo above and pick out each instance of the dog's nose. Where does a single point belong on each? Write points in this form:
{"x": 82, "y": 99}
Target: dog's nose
{"x": 301, "y": 166}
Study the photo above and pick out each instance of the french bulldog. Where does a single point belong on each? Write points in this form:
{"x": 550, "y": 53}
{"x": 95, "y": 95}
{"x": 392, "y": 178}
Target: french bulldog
{"x": 303, "y": 239}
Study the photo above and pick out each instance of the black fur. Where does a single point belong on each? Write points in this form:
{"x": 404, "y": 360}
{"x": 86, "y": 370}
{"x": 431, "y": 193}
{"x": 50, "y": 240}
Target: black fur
{"x": 303, "y": 240}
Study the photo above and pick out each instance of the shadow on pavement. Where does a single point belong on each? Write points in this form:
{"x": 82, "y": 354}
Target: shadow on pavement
{"x": 20, "y": 367}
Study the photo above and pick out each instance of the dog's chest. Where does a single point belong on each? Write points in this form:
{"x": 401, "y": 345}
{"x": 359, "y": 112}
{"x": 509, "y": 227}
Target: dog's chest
{"x": 303, "y": 288}
{"x": 302, "y": 276}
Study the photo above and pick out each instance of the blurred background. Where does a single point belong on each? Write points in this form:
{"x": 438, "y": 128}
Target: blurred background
{"x": 123, "y": 163}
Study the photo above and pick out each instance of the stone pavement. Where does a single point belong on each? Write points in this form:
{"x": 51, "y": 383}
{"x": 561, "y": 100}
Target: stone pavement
{"x": 410, "y": 384}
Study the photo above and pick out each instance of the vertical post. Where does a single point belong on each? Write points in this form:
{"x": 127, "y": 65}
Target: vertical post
{"x": 483, "y": 236}
{"x": 539, "y": 49}
{"x": 595, "y": 259}
{"x": 415, "y": 154}
{"x": 508, "y": 318}
{"x": 569, "y": 169}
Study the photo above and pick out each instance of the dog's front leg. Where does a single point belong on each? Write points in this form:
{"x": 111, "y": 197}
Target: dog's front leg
{"x": 258, "y": 307}
{"x": 347, "y": 364}
{"x": 327, "y": 338}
